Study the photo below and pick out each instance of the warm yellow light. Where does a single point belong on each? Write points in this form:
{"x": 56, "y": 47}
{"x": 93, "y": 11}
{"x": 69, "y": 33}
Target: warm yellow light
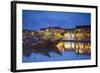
{"x": 76, "y": 45}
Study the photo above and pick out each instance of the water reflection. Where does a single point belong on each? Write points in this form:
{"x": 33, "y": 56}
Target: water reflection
{"x": 73, "y": 50}
{"x": 79, "y": 47}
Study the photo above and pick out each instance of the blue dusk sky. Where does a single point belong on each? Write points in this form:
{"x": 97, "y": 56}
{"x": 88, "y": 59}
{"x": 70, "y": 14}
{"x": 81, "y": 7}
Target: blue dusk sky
{"x": 35, "y": 20}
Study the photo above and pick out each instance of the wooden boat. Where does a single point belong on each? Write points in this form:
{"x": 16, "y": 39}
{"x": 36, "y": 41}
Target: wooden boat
{"x": 43, "y": 46}
{"x": 46, "y": 46}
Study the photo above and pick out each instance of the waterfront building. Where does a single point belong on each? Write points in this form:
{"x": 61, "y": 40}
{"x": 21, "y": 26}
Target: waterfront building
{"x": 83, "y": 32}
{"x": 53, "y": 32}
{"x": 77, "y": 39}
{"x": 69, "y": 34}
{"x": 26, "y": 33}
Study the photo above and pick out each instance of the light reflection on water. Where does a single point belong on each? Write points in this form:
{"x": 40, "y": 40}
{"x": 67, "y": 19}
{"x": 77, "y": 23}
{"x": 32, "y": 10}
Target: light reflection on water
{"x": 71, "y": 53}
{"x": 80, "y": 47}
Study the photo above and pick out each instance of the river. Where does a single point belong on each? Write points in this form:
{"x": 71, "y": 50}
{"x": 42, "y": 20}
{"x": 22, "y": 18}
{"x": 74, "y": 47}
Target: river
{"x": 66, "y": 55}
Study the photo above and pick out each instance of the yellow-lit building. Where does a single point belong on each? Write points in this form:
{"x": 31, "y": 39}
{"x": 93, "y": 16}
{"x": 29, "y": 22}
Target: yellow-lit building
{"x": 78, "y": 39}
{"x": 53, "y": 32}
{"x": 69, "y": 34}
{"x": 83, "y": 32}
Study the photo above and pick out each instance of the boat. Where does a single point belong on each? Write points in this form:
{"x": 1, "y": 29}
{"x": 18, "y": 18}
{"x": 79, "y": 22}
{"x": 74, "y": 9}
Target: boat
{"x": 46, "y": 46}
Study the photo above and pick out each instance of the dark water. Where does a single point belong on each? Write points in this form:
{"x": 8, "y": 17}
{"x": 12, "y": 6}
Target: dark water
{"x": 66, "y": 55}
